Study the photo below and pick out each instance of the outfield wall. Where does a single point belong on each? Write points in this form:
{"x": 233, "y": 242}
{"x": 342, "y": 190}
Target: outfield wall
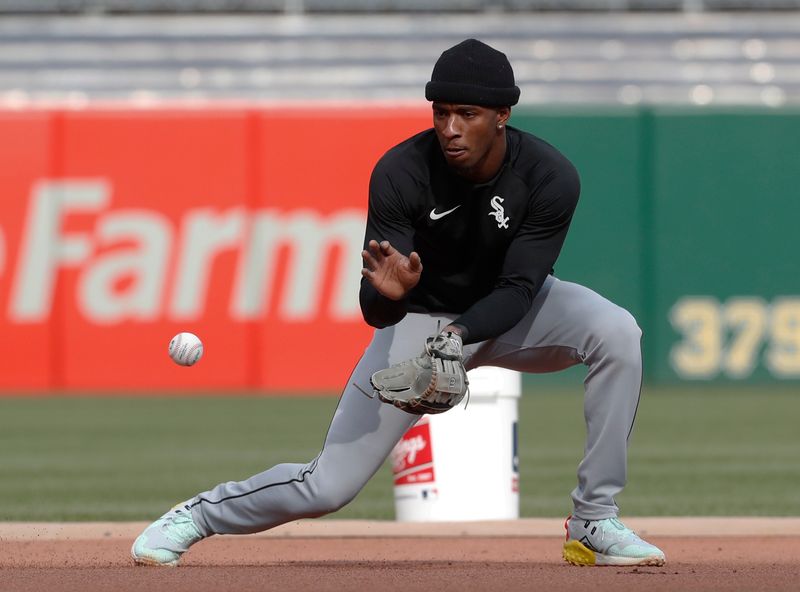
{"x": 119, "y": 228}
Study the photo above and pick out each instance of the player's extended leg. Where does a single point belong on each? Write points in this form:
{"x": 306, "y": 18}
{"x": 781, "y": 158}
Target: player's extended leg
{"x": 568, "y": 325}
{"x": 361, "y": 435}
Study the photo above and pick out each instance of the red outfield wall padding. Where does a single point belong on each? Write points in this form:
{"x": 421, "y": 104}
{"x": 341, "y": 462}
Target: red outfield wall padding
{"x": 121, "y": 228}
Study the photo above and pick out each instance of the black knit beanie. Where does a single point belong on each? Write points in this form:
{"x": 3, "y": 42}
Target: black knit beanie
{"x": 472, "y": 73}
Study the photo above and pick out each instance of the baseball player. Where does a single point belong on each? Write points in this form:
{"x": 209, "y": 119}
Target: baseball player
{"x": 465, "y": 223}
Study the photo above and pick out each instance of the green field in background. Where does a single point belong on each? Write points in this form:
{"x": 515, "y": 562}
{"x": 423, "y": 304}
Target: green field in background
{"x": 700, "y": 451}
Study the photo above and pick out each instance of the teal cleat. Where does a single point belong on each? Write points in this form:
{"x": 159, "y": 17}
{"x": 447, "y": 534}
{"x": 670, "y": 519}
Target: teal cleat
{"x": 165, "y": 540}
{"x": 607, "y": 542}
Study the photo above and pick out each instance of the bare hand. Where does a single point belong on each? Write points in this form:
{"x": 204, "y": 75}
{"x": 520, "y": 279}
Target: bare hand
{"x": 389, "y": 271}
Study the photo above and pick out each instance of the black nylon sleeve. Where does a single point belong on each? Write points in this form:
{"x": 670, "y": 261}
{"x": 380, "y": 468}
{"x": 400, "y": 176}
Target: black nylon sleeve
{"x": 529, "y": 259}
{"x": 387, "y": 219}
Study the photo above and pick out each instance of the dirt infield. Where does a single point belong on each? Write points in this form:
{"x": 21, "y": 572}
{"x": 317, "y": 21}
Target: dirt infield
{"x": 748, "y": 555}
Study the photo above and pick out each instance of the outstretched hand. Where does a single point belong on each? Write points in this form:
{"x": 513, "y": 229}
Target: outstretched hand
{"x": 389, "y": 271}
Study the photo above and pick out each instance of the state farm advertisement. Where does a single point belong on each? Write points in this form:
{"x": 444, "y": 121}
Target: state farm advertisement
{"x": 119, "y": 229}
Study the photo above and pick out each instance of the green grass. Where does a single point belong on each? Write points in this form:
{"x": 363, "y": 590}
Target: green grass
{"x": 709, "y": 451}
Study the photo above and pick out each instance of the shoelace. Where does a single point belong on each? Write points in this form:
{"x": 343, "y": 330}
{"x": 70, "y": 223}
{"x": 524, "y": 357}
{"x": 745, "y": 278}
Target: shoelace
{"x": 180, "y": 520}
{"x": 623, "y": 531}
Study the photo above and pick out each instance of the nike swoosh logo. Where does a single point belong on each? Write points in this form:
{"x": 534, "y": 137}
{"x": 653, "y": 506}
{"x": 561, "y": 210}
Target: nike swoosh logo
{"x": 435, "y": 216}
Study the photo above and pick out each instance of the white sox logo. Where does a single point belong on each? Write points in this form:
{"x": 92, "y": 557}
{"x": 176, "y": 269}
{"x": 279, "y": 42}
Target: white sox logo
{"x": 499, "y": 212}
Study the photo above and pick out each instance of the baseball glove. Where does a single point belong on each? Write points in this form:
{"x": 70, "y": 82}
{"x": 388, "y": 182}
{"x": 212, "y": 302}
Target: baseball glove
{"x": 433, "y": 382}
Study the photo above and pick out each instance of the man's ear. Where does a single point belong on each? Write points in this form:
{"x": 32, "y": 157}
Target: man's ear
{"x": 503, "y": 114}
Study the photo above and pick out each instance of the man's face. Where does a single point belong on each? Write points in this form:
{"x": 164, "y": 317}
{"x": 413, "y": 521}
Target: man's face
{"x": 468, "y": 134}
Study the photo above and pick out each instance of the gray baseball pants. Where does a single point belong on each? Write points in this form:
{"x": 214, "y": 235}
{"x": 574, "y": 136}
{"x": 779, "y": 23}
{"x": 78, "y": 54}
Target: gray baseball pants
{"x": 567, "y": 325}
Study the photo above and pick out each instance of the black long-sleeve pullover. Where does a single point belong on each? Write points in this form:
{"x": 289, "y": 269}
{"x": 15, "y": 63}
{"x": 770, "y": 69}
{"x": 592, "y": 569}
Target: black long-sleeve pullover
{"x": 486, "y": 248}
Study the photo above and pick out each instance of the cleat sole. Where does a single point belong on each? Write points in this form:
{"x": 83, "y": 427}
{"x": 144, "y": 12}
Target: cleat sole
{"x": 145, "y": 562}
{"x": 579, "y": 554}
{"x": 148, "y": 562}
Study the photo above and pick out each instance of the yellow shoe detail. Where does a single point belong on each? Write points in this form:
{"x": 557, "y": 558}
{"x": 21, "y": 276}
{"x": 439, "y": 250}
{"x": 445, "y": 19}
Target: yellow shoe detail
{"x": 576, "y": 553}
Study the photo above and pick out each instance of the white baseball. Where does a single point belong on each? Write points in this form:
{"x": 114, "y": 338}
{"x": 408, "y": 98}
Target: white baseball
{"x": 186, "y": 349}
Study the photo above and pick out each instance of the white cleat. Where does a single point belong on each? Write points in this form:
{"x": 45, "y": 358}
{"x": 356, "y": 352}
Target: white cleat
{"x": 607, "y": 542}
{"x": 165, "y": 540}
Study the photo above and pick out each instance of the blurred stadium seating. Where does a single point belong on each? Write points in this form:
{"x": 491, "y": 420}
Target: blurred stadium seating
{"x": 361, "y": 6}
{"x": 603, "y": 51}
{"x": 564, "y": 51}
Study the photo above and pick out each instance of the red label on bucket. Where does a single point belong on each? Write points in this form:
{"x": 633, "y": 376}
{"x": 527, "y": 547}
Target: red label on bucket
{"x": 412, "y": 457}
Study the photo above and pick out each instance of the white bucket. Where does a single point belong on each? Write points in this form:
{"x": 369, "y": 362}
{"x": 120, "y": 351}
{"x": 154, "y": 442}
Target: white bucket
{"x": 463, "y": 464}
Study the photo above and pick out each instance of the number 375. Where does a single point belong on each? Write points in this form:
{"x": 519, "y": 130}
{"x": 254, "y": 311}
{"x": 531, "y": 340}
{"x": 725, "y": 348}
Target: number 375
{"x": 728, "y": 337}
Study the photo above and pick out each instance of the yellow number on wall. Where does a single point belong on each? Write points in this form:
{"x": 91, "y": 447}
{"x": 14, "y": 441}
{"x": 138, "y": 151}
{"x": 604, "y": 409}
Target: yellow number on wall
{"x": 747, "y": 320}
{"x": 699, "y": 354}
{"x": 783, "y": 356}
